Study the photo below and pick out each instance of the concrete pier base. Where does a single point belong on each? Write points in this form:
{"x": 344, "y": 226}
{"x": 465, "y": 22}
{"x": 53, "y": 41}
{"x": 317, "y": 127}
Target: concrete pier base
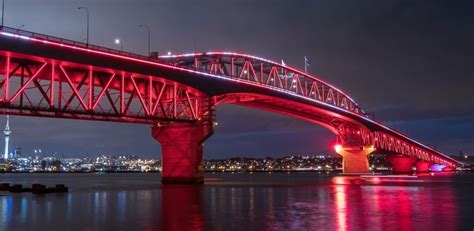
{"x": 182, "y": 151}
{"x": 354, "y": 159}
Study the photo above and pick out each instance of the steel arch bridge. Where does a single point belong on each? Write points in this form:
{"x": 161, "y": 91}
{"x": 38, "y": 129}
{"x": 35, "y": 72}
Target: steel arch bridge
{"x": 53, "y": 77}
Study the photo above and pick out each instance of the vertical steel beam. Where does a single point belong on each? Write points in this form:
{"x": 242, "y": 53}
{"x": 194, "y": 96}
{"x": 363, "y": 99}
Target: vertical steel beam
{"x": 22, "y": 82}
{"x": 175, "y": 112}
{"x": 150, "y": 92}
{"x": 51, "y": 87}
{"x": 91, "y": 89}
{"x": 122, "y": 93}
{"x": 7, "y": 81}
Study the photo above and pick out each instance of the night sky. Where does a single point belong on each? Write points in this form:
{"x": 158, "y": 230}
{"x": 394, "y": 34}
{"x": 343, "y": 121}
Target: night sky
{"x": 409, "y": 62}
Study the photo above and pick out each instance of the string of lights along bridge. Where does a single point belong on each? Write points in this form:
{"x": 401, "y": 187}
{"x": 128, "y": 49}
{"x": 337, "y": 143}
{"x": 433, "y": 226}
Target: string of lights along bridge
{"x": 54, "y": 77}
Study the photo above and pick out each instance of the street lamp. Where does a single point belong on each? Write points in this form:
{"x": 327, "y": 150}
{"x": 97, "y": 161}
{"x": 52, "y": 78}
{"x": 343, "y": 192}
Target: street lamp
{"x": 3, "y": 10}
{"x": 87, "y": 12}
{"x": 149, "y": 38}
{"x": 117, "y": 41}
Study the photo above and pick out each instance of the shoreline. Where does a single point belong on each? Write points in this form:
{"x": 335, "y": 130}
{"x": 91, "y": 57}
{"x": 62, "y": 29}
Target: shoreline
{"x": 152, "y": 172}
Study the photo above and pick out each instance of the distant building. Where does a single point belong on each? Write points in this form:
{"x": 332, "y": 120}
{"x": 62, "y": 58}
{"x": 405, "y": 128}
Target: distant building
{"x": 16, "y": 153}
{"x": 7, "y": 133}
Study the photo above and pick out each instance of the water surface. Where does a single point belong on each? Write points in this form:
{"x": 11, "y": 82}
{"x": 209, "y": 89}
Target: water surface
{"x": 239, "y": 201}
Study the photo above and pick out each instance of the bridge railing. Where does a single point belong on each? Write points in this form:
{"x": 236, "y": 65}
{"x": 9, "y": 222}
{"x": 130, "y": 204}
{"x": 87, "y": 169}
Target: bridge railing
{"x": 29, "y": 34}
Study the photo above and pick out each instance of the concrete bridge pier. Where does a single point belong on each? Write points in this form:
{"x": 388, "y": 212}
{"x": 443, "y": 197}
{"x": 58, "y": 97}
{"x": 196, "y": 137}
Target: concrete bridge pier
{"x": 354, "y": 159}
{"x": 182, "y": 150}
{"x": 423, "y": 166}
{"x": 402, "y": 164}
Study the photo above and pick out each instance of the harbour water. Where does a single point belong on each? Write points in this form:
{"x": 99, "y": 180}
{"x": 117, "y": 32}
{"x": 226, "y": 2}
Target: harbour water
{"x": 240, "y": 201}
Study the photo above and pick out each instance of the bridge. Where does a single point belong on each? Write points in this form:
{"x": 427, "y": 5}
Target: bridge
{"x": 177, "y": 94}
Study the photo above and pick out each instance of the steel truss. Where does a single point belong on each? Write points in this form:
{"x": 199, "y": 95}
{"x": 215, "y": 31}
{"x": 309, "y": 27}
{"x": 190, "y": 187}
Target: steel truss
{"x": 388, "y": 143}
{"x": 266, "y": 73}
{"x": 54, "y": 89}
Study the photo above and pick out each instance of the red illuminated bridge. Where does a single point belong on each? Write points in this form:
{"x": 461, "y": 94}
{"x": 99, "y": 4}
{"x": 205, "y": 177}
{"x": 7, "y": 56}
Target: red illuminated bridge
{"x": 53, "y": 77}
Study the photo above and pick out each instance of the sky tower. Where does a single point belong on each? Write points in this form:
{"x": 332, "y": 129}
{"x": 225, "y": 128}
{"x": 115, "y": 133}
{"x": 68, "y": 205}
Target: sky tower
{"x": 7, "y": 133}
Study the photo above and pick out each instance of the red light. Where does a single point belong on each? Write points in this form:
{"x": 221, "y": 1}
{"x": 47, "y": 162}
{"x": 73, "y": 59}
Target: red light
{"x": 376, "y": 180}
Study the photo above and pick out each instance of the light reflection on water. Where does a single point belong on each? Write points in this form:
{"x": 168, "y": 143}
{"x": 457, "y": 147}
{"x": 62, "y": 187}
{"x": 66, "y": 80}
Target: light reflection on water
{"x": 306, "y": 201}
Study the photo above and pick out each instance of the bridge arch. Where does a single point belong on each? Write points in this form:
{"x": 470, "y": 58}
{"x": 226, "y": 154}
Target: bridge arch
{"x": 326, "y": 119}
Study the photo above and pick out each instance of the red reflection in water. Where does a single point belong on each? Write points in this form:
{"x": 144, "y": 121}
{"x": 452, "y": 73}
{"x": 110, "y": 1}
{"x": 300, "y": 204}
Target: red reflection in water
{"x": 423, "y": 206}
{"x": 341, "y": 207}
{"x": 182, "y": 207}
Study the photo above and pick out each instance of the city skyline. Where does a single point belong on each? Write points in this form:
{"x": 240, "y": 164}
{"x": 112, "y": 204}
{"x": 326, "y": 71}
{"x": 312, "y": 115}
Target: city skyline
{"x": 439, "y": 115}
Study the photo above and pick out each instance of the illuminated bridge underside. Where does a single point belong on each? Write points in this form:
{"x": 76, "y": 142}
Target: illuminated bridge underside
{"x": 43, "y": 76}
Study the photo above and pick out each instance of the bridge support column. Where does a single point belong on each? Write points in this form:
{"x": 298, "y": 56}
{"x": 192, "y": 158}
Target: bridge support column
{"x": 401, "y": 164}
{"x": 182, "y": 151}
{"x": 354, "y": 159}
{"x": 423, "y": 166}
